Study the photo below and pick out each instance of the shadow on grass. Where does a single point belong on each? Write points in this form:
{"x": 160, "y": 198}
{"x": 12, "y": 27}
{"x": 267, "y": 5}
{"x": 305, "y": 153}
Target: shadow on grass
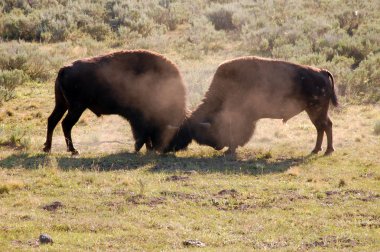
{"x": 153, "y": 163}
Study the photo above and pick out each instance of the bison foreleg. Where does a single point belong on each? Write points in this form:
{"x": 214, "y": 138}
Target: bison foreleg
{"x": 139, "y": 134}
{"x": 231, "y": 151}
{"x": 70, "y": 120}
{"x": 148, "y": 144}
{"x": 139, "y": 144}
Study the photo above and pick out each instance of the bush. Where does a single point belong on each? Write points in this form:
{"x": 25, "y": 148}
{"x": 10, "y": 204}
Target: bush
{"x": 221, "y": 18}
{"x": 350, "y": 21}
{"x": 365, "y": 80}
{"x": 18, "y": 26}
{"x": 204, "y": 37}
{"x": 34, "y": 62}
{"x": 134, "y": 16}
{"x": 98, "y": 31}
{"x": 9, "y": 80}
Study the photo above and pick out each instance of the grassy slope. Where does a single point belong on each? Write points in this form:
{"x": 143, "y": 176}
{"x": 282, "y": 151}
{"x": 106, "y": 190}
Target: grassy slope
{"x": 114, "y": 199}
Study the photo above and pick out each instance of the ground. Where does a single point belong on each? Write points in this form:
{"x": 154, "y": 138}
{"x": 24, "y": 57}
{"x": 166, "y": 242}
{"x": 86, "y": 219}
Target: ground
{"x": 273, "y": 195}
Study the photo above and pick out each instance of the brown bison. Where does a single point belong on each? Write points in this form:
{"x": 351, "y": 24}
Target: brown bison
{"x": 141, "y": 86}
{"x": 247, "y": 89}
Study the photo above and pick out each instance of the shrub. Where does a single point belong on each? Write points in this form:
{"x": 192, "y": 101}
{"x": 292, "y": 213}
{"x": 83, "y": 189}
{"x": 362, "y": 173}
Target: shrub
{"x": 288, "y": 51}
{"x": 221, "y": 18}
{"x": 31, "y": 59}
{"x": 365, "y": 80}
{"x": 9, "y": 5}
{"x": 98, "y": 31}
{"x": 9, "y": 80}
{"x": 259, "y": 40}
{"x": 350, "y": 21}
{"x": 16, "y": 25}
{"x": 134, "y": 16}
{"x": 203, "y": 35}
{"x": 172, "y": 13}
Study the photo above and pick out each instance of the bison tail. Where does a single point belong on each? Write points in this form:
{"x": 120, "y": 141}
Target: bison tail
{"x": 59, "y": 96}
{"x": 334, "y": 97}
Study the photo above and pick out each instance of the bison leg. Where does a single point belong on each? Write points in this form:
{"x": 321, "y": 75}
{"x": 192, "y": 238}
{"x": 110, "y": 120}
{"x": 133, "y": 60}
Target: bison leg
{"x": 70, "y": 120}
{"x": 318, "y": 144}
{"x": 323, "y": 124}
{"x": 54, "y": 118}
{"x": 140, "y": 136}
{"x": 230, "y": 151}
{"x": 139, "y": 144}
{"x": 329, "y": 134}
{"x": 148, "y": 144}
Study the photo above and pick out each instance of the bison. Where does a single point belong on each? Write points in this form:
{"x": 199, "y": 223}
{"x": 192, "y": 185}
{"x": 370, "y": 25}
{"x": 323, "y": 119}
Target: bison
{"x": 144, "y": 87}
{"x": 247, "y": 89}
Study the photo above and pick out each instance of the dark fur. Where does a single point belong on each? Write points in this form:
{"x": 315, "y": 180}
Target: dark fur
{"x": 141, "y": 86}
{"x": 247, "y": 89}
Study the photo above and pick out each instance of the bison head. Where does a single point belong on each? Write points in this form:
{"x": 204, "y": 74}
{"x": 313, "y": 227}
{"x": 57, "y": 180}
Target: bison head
{"x": 181, "y": 139}
{"x": 205, "y": 133}
{"x": 202, "y": 132}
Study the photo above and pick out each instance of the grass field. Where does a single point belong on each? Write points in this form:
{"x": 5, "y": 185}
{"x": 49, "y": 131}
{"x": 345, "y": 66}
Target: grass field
{"x": 272, "y": 196}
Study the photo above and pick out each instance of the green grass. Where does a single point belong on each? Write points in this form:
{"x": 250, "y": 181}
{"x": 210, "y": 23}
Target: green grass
{"x": 272, "y": 196}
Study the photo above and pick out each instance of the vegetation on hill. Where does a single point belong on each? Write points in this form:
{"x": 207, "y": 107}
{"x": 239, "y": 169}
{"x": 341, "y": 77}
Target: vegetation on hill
{"x": 342, "y": 36}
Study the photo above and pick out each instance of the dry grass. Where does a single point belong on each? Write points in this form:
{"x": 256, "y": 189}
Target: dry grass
{"x": 272, "y": 196}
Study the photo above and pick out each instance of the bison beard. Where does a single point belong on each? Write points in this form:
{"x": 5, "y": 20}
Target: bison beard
{"x": 141, "y": 86}
{"x": 247, "y": 89}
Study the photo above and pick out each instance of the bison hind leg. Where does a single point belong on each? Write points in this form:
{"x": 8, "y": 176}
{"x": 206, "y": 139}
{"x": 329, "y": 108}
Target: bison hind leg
{"x": 58, "y": 112}
{"x": 323, "y": 125}
{"x": 70, "y": 120}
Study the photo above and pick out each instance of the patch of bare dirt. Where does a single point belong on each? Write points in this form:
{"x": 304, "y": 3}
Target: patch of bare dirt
{"x": 142, "y": 200}
{"x": 191, "y": 172}
{"x": 281, "y": 243}
{"x": 332, "y": 241}
{"x": 115, "y": 205}
{"x": 291, "y": 196}
{"x": 194, "y": 243}
{"x": 352, "y": 194}
{"x": 33, "y": 243}
{"x": 226, "y": 205}
{"x": 368, "y": 175}
{"x": 177, "y": 178}
{"x": 231, "y": 192}
{"x": 53, "y": 206}
{"x": 181, "y": 195}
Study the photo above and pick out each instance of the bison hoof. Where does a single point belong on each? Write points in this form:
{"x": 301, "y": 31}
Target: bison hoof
{"x": 315, "y": 151}
{"x": 329, "y": 152}
{"x": 74, "y": 153}
{"x": 46, "y": 149}
{"x": 230, "y": 152}
{"x": 138, "y": 145}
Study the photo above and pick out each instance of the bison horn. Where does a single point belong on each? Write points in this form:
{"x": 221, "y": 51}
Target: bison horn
{"x": 205, "y": 124}
{"x": 172, "y": 127}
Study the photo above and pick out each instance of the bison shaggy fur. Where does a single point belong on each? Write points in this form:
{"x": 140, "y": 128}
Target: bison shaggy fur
{"x": 142, "y": 86}
{"x": 247, "y": 89}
